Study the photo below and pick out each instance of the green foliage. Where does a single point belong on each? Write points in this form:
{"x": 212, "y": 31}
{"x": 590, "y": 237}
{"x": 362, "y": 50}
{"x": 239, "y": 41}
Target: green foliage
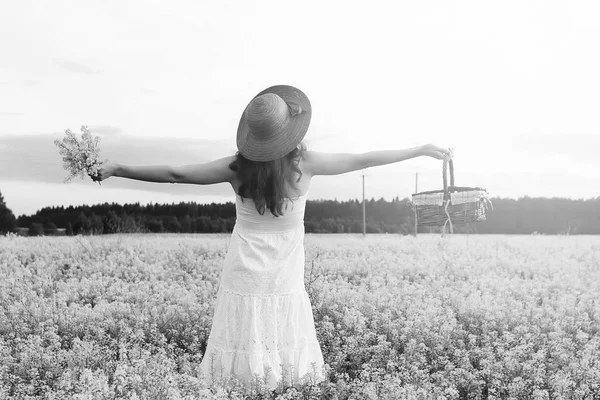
{"x": 523, "y": 216}
{"x": 8, "y": 222}
{"x": 36, "y": 229}
{"x": 478, "y": 317}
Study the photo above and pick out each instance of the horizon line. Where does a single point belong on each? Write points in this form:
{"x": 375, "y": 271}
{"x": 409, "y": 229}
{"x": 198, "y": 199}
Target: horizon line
{"x": 313, "y": 200}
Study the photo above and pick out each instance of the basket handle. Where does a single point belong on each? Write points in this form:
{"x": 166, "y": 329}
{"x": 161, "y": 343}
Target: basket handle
{"x": 448, "y": 161}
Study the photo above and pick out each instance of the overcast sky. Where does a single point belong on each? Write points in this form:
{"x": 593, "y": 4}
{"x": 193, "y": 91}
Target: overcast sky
{"x": 513, "y": 86}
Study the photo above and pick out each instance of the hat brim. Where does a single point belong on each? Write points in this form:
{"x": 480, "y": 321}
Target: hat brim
{"x": 278, "y": 146}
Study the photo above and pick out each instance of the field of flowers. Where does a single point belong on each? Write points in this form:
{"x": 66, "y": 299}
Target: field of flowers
{"x": 461, "y": 317}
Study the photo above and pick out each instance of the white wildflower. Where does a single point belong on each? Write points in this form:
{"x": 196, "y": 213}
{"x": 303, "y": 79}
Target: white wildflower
{"x": 80, "y": 157}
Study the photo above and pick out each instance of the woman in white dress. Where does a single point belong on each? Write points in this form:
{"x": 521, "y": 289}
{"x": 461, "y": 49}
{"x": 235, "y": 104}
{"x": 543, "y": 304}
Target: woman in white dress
{"x": 263, "y": 325}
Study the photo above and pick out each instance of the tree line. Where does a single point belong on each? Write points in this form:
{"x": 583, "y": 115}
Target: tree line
{"x": 526, "y": 215}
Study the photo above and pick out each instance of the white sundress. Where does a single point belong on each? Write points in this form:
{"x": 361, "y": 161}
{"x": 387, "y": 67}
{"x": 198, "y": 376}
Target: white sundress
{"x": 263, "y": 317}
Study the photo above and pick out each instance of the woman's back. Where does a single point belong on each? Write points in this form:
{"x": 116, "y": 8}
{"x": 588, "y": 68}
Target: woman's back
{"x": 301, "y": 181}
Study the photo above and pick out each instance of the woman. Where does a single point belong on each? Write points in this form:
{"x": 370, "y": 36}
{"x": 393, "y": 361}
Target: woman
{"x": 263, "y": 324}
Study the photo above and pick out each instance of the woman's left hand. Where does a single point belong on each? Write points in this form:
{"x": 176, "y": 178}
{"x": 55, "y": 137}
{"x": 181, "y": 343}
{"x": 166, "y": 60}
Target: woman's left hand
{"x": 436, "y": 152}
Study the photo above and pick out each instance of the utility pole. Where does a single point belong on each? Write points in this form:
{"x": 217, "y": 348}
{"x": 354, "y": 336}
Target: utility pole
{"x": 364, "y": 213}
{"x": 416, "y": 191}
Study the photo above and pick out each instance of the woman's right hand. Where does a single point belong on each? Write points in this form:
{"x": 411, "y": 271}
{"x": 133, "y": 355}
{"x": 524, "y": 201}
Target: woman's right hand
{"x": 106, "y": 171}
{"x": 437, "y": 152}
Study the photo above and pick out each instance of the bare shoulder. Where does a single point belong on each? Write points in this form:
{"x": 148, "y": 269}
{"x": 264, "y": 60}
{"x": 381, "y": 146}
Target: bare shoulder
{"x": 229, "y": 159}
{"x": 310, "y": 161}
{"x": 225, "y": 164}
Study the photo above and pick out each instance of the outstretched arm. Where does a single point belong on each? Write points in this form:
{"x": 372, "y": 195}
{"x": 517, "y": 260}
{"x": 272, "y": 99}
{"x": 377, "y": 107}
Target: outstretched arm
{"x": 216, "y": 171}
{"x": 318, "y": 163}
{"x": 148, "y": 173}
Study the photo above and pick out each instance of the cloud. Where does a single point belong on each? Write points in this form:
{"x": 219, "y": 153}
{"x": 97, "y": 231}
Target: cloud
{"x": 9, "y": 114}
{"x": 105, "y": 130}
{"x": 28, "y": 161}
{"x": 73, "y": 66}
{"x": 35, "y": 158}
{"x": 29, "y": 83}
{"x": 580, "y": 147}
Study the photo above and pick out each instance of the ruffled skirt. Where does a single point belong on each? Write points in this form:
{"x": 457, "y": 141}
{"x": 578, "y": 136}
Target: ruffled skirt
{"x": 269, "y": 337}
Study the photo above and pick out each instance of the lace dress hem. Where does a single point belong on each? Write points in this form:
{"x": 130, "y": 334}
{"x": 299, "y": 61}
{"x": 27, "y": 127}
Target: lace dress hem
{"x": 284, "y": 366}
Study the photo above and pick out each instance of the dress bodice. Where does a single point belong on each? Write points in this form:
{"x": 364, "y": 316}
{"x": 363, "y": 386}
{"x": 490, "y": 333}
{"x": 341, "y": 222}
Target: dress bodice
{"x": 248, "y": 217}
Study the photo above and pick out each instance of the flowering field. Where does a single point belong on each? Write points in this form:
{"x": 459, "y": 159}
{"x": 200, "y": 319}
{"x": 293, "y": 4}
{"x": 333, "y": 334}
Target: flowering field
{"x": 462, "y": 317}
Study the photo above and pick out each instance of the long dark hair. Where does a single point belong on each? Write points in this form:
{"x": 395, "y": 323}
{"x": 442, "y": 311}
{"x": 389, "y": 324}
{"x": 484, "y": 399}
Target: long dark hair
{"x": 264, "y": 181}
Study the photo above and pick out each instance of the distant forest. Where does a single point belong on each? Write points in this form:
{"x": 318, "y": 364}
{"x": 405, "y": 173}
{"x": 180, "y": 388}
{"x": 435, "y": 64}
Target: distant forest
{"x": 509, "y": 216}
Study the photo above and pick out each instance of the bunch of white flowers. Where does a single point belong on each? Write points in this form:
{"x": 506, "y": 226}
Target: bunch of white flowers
{"x": 80, "y": 156}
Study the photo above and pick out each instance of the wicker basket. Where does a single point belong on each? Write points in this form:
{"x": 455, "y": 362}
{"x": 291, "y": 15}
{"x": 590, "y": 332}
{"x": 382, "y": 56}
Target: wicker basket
{"x": 452, "y": 205}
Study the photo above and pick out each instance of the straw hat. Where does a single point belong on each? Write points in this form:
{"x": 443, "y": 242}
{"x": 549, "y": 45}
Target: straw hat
{"x": 273, "y": 123}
